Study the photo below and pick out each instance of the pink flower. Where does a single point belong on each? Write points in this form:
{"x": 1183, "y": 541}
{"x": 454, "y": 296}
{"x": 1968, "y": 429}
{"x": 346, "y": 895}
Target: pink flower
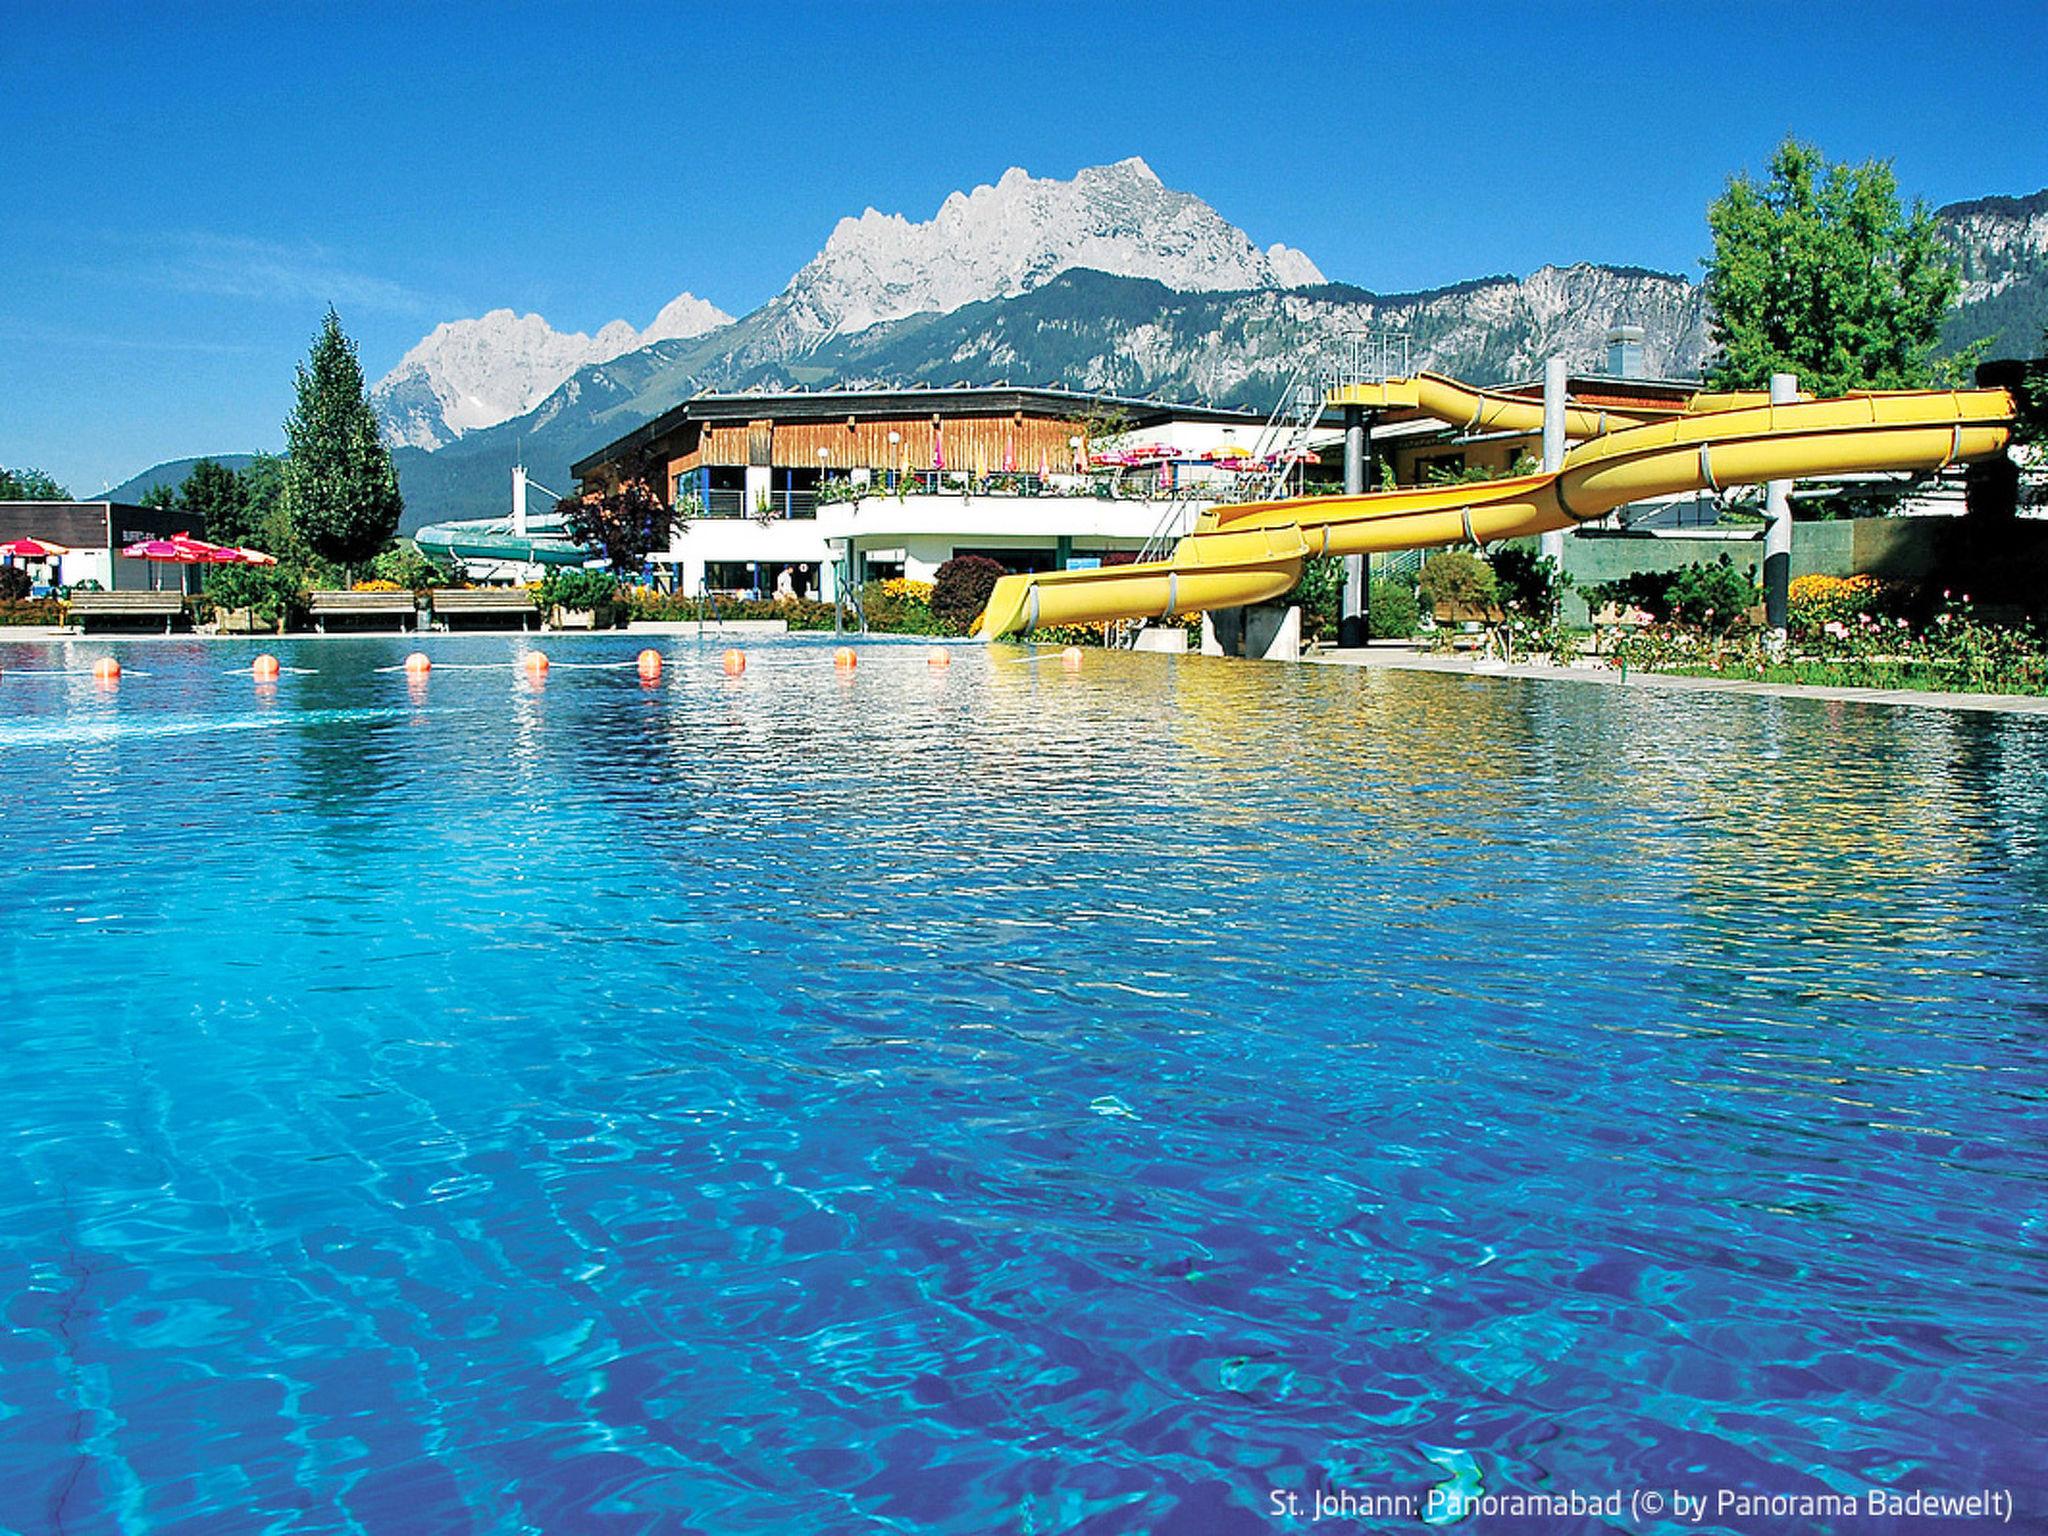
{"x": 1836, "y": 628}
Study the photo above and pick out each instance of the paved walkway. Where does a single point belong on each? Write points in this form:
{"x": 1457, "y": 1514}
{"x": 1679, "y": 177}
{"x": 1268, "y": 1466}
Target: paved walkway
{"x": 1408, "y": 658}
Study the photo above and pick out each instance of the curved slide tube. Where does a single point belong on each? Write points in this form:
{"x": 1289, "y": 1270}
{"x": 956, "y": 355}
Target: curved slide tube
{"x": 1221, "y": 564}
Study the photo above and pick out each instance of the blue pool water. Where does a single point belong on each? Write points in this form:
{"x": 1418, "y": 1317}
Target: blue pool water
{"x": 1001, "y": 1098}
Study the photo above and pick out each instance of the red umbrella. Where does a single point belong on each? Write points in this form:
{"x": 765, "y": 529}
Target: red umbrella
{"x": 32, "y": 548}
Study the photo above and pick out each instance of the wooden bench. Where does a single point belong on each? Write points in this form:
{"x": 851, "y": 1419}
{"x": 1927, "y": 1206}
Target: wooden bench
{"x": 401, "y": 606}
{"x": 126, "y": 608}
{"x": 485, "y": 605}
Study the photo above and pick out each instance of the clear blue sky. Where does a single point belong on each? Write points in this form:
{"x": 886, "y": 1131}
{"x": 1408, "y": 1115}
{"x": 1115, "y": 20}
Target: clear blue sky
{"x": 183, "y": 189}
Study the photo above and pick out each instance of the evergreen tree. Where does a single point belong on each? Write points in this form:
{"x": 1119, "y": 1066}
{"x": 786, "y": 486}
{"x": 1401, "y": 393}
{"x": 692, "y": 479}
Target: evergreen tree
{"x": 340, "y": 489}
{"x": 217, "y": 503}
{"x": 270, "y": 527}
{"x": 1818, "y": 272}
{"x": 163, "y": 496}
{"x": 30, "y": 485}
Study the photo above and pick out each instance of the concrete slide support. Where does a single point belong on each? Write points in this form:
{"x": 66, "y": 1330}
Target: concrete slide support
{"x": 1778, "y": 532}
{"x": 1551, "y": 545}
{"x": 1354, "y": 622}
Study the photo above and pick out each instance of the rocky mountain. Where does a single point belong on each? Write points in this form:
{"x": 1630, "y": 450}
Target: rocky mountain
{"x": 469, "y": 374}
{"x": 2002, "y": 245}
{"x": 1004, "y": 240}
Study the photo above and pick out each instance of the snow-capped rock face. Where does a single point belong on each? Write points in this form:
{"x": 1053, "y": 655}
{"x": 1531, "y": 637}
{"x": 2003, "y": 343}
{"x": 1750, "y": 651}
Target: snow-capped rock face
{"x": 1000, "y": 241}
{"x": 467, "y": 374}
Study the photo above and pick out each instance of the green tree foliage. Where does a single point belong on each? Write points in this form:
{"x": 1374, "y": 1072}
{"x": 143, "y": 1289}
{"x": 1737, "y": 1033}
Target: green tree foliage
{"x": 625, "y": 524}
{"x": 1713, "y": 596}
{"x": 1459, "y": 578}
{"x": 30, "y": 485}
{"x": 1395, "y": 615}
{"x": 162, "y": 497}
{"x": 1818, "y": 272}
{"x": 409, "y": 566}
{"x": 1320, "y": 592}
{"x": 217, "y": 503}
{"x": 340, "y": 490}
{"x": 960, "y": 590}
{"x": 1529, "y": 582}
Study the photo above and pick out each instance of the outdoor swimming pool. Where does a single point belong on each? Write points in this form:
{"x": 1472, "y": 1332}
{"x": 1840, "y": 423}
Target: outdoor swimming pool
{"x": 996, "y": 1097}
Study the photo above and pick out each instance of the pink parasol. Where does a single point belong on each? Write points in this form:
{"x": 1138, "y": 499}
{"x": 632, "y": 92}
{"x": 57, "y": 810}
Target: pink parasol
{"x": 164, "y": 551}
{"x": 938, "y": 445}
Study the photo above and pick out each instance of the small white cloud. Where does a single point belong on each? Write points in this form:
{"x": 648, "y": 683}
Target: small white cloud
{"x": 236, "y": 267}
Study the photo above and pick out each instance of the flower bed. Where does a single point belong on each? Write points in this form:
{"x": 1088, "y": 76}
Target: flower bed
{"x": 1959, "y": 652}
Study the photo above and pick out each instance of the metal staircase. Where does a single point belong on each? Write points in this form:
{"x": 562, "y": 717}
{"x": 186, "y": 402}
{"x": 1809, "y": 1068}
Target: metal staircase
{"x": 1370, "y": 357}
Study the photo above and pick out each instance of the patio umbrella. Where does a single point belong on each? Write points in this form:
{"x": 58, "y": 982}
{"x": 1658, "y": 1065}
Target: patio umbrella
{"x": 32, "y": 548}
{"x": 164, "y": 552}
{"x": 204, "y": 553}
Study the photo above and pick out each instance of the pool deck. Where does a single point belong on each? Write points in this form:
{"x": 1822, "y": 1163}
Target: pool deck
{"x": 1402, "y": 657}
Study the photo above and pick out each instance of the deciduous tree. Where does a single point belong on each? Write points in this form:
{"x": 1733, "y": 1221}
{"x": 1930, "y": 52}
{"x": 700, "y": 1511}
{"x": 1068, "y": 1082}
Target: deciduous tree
{"x": 30, "y": 485}
{"x": 1817, "y": 271}
{"x": 627, "y": 523}
{"x": 217, "y": 503}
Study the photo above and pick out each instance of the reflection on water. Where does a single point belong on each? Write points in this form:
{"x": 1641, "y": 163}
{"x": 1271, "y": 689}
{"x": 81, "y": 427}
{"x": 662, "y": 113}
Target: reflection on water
{"x": 999, "y": 1097}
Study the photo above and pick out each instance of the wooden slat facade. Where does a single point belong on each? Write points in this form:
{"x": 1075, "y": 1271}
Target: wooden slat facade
{"x": 973, "y": 444}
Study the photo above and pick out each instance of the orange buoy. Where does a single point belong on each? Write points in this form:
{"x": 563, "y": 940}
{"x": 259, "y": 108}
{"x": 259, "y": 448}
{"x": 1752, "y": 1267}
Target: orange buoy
{"x": 649, "y": 663}
{"x": 107, "y": 670}
{"x": 844, "y": 659}
{"x": 735, "y": 662}
{"x": 417, "y": 664}
{"x": 1070, "y": 658}
{"x": 938, "y": 656}
{"x": 535, "y": 663}
{"x": 264, "y": 668}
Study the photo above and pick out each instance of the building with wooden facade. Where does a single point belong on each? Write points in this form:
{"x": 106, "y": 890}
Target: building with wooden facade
{"x": 896, "y": 482}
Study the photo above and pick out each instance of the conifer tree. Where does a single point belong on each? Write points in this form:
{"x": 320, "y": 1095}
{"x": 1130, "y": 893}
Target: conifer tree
{"x": 340, "y": 489}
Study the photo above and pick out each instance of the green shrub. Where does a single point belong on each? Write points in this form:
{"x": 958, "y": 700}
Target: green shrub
{"x": 1395, "y": 614}
{"x": 577, "y": 588}
{"x": 1529, "y": 583}
{"x": 14, "y": 583}
{"x": 960, "y": 591}
{"x": 273, "y": 593}
{"x": 406, "y": 565}
{"x": 897, "y": 614}
{"x": 1320, "y": 592}
{"x": 33, "y": 610}
{"x": 1458, "y": 578}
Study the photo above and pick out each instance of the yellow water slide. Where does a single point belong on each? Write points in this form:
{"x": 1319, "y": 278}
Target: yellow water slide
{"x": 1252, "y": 551}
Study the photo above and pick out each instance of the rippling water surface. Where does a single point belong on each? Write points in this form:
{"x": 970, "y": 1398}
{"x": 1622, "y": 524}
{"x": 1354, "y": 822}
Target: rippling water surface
{"x": 999, "y": 1098}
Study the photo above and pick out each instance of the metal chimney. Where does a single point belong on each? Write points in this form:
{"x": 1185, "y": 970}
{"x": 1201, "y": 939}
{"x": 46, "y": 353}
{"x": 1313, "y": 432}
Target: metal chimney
{"x": 1625, "y": 352}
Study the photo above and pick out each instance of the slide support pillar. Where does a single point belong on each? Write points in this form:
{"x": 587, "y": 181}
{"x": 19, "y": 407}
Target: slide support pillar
{"x": 1555, "y": 378}
{"x": 1778, "y": 533}
{"x": 1354, "y": 622}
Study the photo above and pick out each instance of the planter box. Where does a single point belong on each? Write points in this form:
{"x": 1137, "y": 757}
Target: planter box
{"x": 585, "y": 618}
{"x": 243, "y": 621}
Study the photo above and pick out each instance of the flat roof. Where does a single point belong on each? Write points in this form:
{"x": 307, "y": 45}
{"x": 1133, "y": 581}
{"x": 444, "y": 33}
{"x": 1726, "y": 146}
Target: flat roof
{"x": 835, "y": 404}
